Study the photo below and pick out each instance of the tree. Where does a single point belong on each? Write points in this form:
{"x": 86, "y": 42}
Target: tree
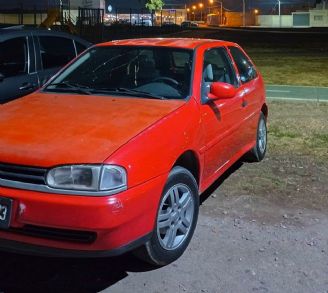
{"x": 154, "y": 4}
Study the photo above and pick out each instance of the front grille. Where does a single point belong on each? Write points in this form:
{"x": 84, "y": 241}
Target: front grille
{"x": 55, "y": 234}
{"x": 25, "y": 174}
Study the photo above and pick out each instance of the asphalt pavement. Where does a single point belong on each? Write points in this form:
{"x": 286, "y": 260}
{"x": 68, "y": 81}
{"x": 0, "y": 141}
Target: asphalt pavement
{"x": 297, "y": 93}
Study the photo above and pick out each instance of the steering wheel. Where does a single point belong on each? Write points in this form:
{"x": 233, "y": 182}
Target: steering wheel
{"x": 168, "y": 80}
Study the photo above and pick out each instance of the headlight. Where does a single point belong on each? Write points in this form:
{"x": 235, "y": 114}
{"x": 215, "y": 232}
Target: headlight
{"x": 87, "y": 177}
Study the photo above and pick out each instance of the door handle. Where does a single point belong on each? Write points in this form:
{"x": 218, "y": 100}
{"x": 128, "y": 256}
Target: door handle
{"x": 27, "y": 86}
{"x": 244, "y": 103}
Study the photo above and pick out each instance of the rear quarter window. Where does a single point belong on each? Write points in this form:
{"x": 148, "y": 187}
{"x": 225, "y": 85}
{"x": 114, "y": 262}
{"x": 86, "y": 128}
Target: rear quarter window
{"x": 246, "y": 69}
{"x": 56, "y": 51}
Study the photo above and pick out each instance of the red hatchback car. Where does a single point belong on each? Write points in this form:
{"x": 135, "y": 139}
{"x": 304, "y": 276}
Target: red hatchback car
{"x": 112, "y": 153}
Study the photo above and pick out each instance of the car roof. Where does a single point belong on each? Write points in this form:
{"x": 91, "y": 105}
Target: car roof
{"x": 185, "y": 43}
{"x": 22, "y": 31}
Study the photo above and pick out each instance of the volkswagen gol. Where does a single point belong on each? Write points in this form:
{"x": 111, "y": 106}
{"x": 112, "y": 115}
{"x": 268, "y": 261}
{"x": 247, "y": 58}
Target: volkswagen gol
{"x": 112, "y": 153}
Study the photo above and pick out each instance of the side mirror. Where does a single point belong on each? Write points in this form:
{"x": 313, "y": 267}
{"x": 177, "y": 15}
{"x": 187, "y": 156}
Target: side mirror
{"x": 221, "y": 90}
{"x": 2, "y": 77}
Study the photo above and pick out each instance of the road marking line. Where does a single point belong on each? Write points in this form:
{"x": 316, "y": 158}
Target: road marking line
{"x": 298, "y": 99}
{"x": 297, "y": 86}
{"x": 278, "y": 91}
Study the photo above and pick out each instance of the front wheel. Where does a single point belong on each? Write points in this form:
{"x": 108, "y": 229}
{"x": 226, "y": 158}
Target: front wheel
{"x": 175, "y": 221}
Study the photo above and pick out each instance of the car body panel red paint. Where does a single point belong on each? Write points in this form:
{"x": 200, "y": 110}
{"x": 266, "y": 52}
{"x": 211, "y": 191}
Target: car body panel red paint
{"x": 68, "y": 123}
{"x": 116, "y": 219}
{"x": 185, "y": 43}
{"x": 143, "y": 156}
{"x": 144, "y": 136}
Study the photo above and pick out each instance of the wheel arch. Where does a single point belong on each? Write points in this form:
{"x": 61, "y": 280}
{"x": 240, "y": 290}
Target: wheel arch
{"x": 190, "y": 161}
{"x": 265, "y": 110}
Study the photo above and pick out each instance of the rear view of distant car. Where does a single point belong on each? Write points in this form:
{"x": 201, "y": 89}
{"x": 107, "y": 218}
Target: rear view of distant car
{"x": 189, "y": 24}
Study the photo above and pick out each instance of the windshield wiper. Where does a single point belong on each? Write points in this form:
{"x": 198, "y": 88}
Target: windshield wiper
{"x": 75, "y": 87}
{"x": 132, "y": 92}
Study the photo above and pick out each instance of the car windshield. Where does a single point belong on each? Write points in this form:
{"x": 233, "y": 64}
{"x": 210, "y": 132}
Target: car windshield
{"x": 148, "y": 72}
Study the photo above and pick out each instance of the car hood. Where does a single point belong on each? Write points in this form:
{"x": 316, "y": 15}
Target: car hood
{"x": 50, "y": 129}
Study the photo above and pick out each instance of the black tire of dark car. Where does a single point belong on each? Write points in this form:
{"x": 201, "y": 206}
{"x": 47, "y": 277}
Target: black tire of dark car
{"x": 158, "y": 250}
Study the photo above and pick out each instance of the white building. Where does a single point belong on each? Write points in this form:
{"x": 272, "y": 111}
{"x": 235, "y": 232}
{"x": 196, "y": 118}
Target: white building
{"x": 316, "y": 17}
{"x": 319, "y": 15}
{"x": 36, "y": 11}
{"x": 75, "y": 4}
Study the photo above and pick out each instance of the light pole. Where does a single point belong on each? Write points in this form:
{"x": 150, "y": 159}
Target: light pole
{"x": 221, "y": 9}
{"x": 194, "y": 7}
{"x": 279, "y": 12}
{"x": 244, "y": 13}
{"x": 256, "y": 12}
{"x": 201, "y": 5}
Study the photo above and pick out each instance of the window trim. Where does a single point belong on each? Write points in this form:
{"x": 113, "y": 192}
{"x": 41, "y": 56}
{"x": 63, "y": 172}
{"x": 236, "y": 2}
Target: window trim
{"x": 75, "y": 49}
{"x": 193, "y": 53}
{"x": 230, "y": 61}
{"x": 235, "y": 64}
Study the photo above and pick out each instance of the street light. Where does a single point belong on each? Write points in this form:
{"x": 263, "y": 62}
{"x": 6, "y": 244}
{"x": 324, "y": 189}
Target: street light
{"x": 188, "y": 14}
{"x": 244, "y": 13}
{"x": 194, "y": 7}
{"x": 279, "y": 13}
{"x": 201, "y": 5}
{"x": 221, "y": 10}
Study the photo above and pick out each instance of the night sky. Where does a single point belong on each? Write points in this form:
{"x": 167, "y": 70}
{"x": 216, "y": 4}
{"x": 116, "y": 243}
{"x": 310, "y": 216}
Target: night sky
{"x": 235, "y": 5}
{"x": 265, "y": 6}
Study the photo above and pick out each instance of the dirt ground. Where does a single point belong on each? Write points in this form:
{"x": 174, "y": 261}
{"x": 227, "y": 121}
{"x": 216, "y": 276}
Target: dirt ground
{"x": 262, "y": 228}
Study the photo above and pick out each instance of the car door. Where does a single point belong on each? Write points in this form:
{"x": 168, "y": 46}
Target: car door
{"x": 17, "y": 68}
{"x": 250, "y": 85}
{"x": 221, "y": 120}
{"x": 53, "y": 53}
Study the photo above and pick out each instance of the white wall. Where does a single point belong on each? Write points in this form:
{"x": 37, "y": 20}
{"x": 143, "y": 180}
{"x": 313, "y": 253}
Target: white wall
{"x": 75, "y": 4}
{"x": 319, "y": 18}
{"x": 274, "y": 20}
{"x": 27, "y": 18}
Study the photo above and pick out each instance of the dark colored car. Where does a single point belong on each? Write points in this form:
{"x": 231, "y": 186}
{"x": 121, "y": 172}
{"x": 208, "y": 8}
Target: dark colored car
{"x": 189, "y": 24}
{"x": 28, "y": 58}
{"x": 170, "y": 24}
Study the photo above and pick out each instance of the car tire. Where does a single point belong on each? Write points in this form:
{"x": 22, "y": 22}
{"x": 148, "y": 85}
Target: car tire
{"x": 176, "y": 219}
{"x": 258, "y": 151}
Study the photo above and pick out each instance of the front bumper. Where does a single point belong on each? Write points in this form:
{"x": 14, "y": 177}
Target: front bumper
{"x": 119, "y": 222}
{"x": 38, "y": 250}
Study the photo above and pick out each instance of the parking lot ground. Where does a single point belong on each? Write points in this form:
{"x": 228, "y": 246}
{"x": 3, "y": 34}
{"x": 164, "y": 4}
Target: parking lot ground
{"x": 262, "y": 228}
{"x": 240, "y": 248}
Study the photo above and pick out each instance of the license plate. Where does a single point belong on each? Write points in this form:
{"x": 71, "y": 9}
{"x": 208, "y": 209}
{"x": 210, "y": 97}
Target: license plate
{"x": 5, "y": 212}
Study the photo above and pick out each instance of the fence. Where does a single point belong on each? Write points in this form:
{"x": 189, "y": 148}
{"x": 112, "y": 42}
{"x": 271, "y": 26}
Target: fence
{"x": 29, "y": 12}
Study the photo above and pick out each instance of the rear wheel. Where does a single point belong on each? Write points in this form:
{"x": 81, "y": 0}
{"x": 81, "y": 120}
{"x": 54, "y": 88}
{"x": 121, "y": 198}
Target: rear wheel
{"x": 175, "y": 221}
{"x": 258, "y": 152}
